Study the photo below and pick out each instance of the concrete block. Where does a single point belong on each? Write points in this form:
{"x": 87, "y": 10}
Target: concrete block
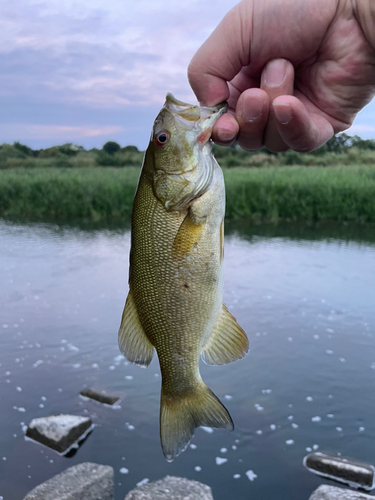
{"x": 99, "y": 396}
{"x": 325, "y": 492}
{"x": 171, "y": 488}
{"x": 59, "y": 432}
{"x": 346, "y": 470}
{"x": 86, "y": 481}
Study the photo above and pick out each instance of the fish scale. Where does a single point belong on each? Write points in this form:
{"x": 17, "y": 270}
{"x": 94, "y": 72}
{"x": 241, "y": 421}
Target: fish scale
{"x": 174, "y": 305}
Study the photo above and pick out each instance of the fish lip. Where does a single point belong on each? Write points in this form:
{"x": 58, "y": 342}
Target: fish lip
{"x": 203, "y": 117}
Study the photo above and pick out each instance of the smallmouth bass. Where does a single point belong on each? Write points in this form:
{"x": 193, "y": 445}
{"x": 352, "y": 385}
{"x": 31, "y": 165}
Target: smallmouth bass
{"x": 175, "y": 295}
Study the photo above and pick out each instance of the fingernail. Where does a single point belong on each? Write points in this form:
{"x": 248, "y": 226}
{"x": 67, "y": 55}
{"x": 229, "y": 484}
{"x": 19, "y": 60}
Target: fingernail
{"x": 283, "y": 113}
{"x": 252, "y": 108}
{"x": 275, "y": 72}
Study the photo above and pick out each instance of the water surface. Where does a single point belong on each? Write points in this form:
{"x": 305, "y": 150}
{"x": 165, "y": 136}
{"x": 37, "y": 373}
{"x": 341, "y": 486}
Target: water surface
{"x": 305, "y": 297}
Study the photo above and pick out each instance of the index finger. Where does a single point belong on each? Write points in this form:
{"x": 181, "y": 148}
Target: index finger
{"x": 219, "y": 60}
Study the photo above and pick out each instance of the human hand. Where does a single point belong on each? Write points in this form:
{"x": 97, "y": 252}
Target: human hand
{"x": 294, "y": 72}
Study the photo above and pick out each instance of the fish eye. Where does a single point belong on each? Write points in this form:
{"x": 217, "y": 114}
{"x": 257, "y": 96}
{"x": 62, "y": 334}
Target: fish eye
{"x": 161, "y": 138}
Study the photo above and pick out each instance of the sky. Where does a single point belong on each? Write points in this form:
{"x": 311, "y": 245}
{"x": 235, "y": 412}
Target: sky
{"x": 90, "y": 71}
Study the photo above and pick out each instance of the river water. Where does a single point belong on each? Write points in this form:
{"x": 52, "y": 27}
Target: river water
{"x": 304, "y": 295}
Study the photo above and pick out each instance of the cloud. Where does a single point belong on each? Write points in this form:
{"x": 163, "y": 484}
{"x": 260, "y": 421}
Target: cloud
{"x": 358, "y": 128}
{"x": 70, "y": 133}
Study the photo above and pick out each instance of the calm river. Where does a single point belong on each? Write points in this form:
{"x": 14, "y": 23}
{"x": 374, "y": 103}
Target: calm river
{"x": 304, "y": 295}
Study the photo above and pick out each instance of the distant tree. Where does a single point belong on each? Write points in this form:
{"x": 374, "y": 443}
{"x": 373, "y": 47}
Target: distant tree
{"x": 24, "y": 149}
{"x": 111, "y": 147}
{"x": 70, "y": 149}
{"x": 130, "y": 149}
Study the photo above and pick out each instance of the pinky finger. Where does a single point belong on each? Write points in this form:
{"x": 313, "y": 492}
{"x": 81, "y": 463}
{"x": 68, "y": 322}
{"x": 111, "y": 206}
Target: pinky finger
{"x": 301, "y": 130}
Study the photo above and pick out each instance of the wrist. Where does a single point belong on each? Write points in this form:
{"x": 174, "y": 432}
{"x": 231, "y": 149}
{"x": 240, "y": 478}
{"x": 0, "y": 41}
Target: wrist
{"x": 365, "y": 13}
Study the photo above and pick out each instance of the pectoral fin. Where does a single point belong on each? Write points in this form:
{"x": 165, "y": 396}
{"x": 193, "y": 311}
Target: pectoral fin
{"x": 189, "y": 233}
{"x": 227, "y": 343}
{"x": 132, "y": 340}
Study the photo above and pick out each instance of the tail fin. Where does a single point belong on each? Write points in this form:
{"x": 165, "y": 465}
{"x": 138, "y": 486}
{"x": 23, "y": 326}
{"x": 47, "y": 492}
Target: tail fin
{"x": 181, "y": 415}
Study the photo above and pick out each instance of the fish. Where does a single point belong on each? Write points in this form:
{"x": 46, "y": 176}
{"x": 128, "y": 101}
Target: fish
{"x": 175, "y": 300}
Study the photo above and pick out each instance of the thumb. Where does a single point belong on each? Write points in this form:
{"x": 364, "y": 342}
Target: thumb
{"x": 221, "y": 57}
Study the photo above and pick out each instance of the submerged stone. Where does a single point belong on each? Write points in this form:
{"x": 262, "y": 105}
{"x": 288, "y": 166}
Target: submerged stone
{"x": 59, "y": 432}
{"x": 171, "y": 488}
{"x": 346, "y": 470}
{"x": 325, "y": 492}
{"x": 86, "y": 481}
{"x": 99, "y": 396}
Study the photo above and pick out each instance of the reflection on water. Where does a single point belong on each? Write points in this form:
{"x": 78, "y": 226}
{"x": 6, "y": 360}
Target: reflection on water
{"x": 305, "y": 296}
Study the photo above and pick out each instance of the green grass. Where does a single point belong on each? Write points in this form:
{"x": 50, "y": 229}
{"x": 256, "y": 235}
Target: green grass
{"x": 344, "y": 193}
{"x": 90, "y": 193}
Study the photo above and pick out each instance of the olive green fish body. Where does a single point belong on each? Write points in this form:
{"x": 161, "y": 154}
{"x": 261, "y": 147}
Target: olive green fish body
{"x": 175, "y": 299}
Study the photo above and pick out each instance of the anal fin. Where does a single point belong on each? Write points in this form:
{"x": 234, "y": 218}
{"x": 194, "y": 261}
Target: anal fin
{"x": 227, "y": 343}
{"x": 132, "y": 340}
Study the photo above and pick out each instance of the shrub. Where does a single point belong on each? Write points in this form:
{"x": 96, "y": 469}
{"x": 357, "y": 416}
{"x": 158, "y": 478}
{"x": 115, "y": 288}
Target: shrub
{"x": 111, "y": 147}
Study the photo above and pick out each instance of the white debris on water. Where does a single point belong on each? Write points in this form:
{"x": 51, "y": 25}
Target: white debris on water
{"x": 124, "y": 470}
{"x": 361, "y": 429}
{"x": 72, "y": 347}
{"x": 129, "y": 377}
{"x": 37, "y": 363}
{"x": 290, "y": 339}
{"x": 309, "y": 398}
{"x": 144, "y": 481}
{"x": 112, "y": 367}
{"x": 259, "y": 432}
{"x": 228, "y": 396}
{"x": 308, "y": 449}
{"x": 328, "y": 351}
{"x": 193, "y": 446}
{"x": 223, "y": 450}
{"x": 41, "y": 405}
{"x": 95, "y": 365}
{"x": 258, "y": 407}
{"x": 289, "y": 442}
{"x": 207, "y": 429}
{"x": 77, "y": 365}
{"x": 273, "y": 427}
{"x": 266, "y": 391}
{"x": 234, "y": 447}
{"x": 290, "y": 417}
{"x": 236, "y": 476}
{"x": 251, "y": 475}
{"x": 316, "y": 337}
{"x": 330, "y": 415}
{"x": 19, "y": 389}
{"x": 315, "y": 447}
{"x": 220, "y": 460}
{"x": 295, "y": 426}
{"x": 343, "y": 360}
{"x": 129, "y": 426}
{"x": 5, "y": 325}
{"x": 316, "y": 419}
{"x": 197, "y": 468}
{"x": 43, "y": 398}
{"x": 339, "y": 429}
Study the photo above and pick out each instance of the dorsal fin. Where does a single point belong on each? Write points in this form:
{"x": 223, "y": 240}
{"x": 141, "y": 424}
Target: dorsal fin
{"x": 227, "y": 343}
{"x": 132, "y": 340}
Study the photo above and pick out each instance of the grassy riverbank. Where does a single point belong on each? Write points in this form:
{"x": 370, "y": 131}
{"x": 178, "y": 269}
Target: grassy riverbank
{"x": 344, "y": 193}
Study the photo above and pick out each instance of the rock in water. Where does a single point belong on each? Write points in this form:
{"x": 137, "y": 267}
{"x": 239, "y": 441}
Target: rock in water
{"x": 346, "y": 470}
{"x": 171, "y": 488}
{"x": 99, "y": 396}
{"x": 59, "y": 432}
{"x": 325, "y": 492}
{"x": 85, "y": 481}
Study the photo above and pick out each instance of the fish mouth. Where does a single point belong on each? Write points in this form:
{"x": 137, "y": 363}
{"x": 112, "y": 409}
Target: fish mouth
{"x": 203, "y": 116}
